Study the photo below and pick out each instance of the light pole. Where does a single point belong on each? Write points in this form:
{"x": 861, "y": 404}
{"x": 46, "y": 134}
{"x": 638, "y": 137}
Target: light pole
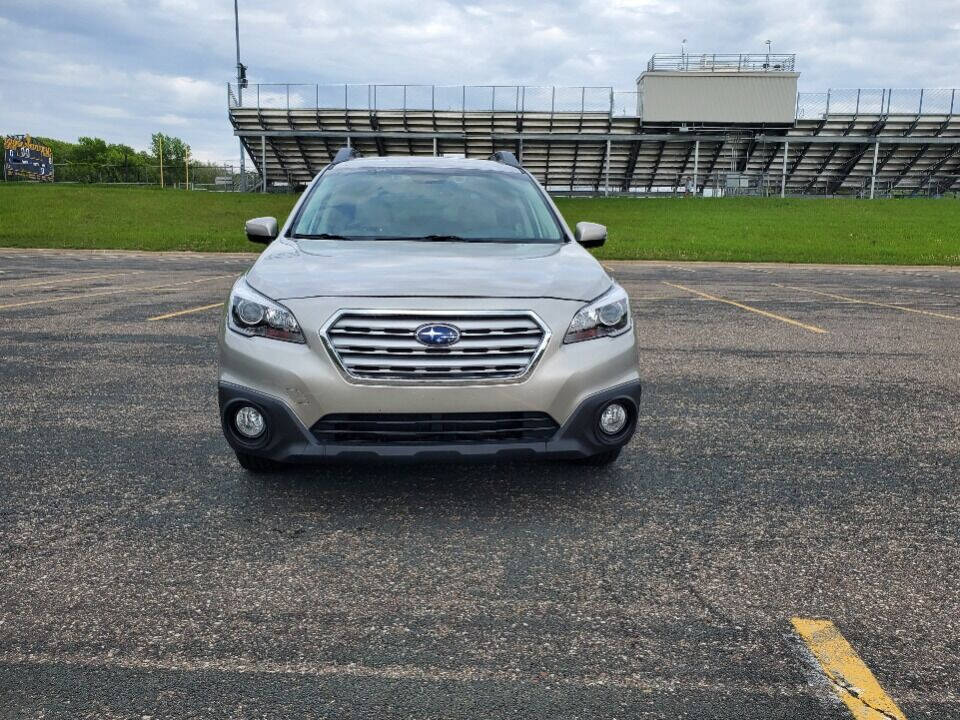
{"x": 241, "y": 83}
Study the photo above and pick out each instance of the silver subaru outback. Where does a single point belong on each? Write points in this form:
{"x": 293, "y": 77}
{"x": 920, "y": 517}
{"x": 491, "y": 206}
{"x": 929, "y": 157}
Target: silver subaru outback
{"x": 426, "y": 308}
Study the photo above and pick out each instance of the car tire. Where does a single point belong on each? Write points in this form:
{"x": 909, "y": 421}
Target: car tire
{"x": 601, "y": 459}
{"x": 257, "y": 464}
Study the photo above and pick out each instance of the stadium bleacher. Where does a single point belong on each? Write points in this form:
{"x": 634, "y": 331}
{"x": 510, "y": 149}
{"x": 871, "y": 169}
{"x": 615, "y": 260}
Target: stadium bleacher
{"x": 596, "y": 140}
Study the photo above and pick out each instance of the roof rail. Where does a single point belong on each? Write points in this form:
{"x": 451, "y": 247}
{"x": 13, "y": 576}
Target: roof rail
{"x": 344, "y": 154}
{"x": 506, "y": 157}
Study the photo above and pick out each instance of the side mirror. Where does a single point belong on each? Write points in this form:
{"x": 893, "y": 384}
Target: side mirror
{"x": 261, "y": 230}
{"x": 590, "y": 234}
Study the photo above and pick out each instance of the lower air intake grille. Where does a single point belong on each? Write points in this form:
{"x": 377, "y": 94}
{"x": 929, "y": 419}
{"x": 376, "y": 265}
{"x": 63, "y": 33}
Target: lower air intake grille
{"x": 434, "y": 428}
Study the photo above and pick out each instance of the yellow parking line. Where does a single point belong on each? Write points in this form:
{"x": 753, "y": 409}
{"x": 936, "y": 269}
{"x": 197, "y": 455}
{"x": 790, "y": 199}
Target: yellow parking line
{"x": 871, "y": 302}
{"x": 83, "y": 296}
{"x": 186, "y": 312}
{"x": 69, "y": 279}
{"x": 781, "y": 318}
{"x": 850, "y": 677}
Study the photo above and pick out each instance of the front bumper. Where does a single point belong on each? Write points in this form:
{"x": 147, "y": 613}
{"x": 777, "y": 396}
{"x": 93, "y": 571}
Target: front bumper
{"x": 306, "y": 379}
{"x": 287, "y": 439}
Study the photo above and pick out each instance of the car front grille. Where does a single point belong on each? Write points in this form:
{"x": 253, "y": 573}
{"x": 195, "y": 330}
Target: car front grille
{"x": 434, "y": 428}
{"x": 382, "y": 347}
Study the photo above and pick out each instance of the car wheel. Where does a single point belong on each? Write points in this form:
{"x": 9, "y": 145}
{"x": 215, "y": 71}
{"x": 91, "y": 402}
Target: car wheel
{"x": 257, "y": 464}
{"x": 601, "y": 459}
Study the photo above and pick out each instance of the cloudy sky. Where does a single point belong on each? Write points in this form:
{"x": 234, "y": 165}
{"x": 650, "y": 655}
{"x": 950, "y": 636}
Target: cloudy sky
{"x": 121, "y": 69}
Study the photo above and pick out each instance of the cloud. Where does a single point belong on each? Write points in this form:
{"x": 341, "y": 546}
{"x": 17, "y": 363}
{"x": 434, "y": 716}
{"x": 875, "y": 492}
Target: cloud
{"x": 171, "y": 119}
{"x": 106, "y": 112}
{"x": 122, "y": 69}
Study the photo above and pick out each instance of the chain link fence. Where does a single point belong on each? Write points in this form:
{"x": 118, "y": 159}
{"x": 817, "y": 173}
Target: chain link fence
{"x": 719, "y": 183}
{"x": 195, "y": 176}
{"x": 730, "y": 184}
{"x": 725, "y": 183}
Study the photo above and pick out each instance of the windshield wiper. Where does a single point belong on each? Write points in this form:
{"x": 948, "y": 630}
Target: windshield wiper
{"x": 431, "y": 238}
{"x": 319, "y": 236}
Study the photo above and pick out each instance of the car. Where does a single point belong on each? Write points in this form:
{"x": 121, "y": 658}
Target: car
{"x": 426, "y": 308}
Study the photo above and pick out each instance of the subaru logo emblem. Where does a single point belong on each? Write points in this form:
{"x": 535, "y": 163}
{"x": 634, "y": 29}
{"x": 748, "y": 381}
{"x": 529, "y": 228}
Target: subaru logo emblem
{"x": 437, "y": 334}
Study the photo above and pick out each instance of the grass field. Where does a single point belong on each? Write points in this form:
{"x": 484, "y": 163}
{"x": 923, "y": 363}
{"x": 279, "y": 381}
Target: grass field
{"x": 813, "y": 230}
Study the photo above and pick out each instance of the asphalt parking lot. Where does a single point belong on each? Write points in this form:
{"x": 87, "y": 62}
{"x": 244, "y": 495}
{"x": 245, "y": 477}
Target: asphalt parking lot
{"x": 798, "y": 456}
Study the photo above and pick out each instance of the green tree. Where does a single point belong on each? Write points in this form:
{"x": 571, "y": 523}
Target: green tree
{"x": 92, "y": 159}
{"x": 174, "y": 152}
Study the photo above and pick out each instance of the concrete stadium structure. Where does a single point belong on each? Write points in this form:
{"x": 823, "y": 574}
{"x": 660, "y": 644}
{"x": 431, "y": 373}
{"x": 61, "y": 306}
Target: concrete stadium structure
{"x": 710, "y": 124}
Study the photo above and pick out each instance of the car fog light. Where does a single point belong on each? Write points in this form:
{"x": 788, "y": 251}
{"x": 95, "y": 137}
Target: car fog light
{"x": 613, "y": 419}
{"x": 249, "y": 422}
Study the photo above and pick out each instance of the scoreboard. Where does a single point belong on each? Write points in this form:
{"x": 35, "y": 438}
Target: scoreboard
{"x": 22, "y": 157}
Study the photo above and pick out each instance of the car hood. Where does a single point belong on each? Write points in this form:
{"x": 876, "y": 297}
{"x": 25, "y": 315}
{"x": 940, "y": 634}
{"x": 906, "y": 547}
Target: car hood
{"x": 352, "y": 268}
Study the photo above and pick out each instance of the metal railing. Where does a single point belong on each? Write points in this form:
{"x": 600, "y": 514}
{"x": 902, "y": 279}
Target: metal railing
{"x": 890, "y": 101}
{"x": 723, "y": 62}
{"x": 546, "y": 99}
{"x": 440, "y": 98}
{"x": 626, "y": 103}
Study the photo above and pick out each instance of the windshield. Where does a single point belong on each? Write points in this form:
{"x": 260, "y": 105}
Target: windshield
{"x": 442, "y": 204}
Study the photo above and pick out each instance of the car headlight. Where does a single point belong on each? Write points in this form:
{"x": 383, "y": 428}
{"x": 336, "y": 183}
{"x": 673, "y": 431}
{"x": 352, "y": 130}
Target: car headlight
{"x": 606, "y": 316}
{"x": 252, "y": 314}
